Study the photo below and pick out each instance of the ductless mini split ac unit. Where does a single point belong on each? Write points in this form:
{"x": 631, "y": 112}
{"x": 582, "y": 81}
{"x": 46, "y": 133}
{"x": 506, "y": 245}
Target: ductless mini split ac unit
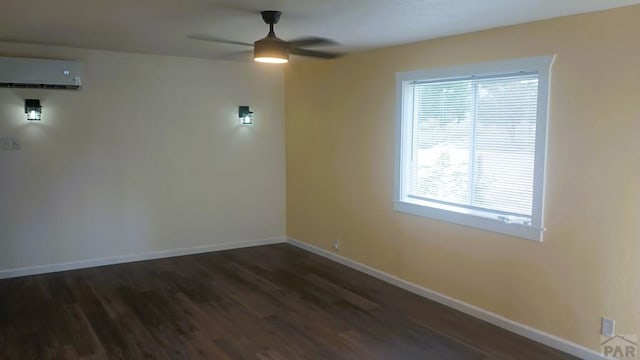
{"x": 40, "y": 73}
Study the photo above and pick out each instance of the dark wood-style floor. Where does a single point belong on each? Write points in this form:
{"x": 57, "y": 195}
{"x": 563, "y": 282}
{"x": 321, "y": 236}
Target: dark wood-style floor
{"x": 269, "y": 302}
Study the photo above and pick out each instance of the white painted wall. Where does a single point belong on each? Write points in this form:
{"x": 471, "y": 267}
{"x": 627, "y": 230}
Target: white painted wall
{"x": 147, "y": 156}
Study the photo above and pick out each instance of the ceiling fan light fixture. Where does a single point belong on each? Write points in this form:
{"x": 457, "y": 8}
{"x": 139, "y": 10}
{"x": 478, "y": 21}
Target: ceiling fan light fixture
{"x": 271, "y": 50}
{"x": 271, "y": 60}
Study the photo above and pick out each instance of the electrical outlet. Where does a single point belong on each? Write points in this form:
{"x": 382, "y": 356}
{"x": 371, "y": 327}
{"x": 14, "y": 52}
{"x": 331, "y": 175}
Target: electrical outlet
{"x": 336, "y": 245}
{"x": 608, "y": 327}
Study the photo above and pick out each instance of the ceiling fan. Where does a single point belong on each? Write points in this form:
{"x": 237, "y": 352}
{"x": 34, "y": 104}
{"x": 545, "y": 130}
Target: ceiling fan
{"x": 274, "y": 50}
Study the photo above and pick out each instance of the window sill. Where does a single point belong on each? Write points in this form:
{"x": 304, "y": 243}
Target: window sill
{"x": 463, "y": 217}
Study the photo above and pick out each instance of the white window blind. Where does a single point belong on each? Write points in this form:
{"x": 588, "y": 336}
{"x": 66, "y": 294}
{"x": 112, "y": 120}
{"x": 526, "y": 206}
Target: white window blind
{"x": 472, "y": 144}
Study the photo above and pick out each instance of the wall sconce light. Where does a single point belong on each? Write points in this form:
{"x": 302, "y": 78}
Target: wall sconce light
{"x": 33, "y": 109}
{"x": 246, "y": 115}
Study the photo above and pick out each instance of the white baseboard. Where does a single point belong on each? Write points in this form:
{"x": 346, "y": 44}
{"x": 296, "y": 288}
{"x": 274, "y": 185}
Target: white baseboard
{"x": 495, "y": 319}
{"x": 33, "y": 270}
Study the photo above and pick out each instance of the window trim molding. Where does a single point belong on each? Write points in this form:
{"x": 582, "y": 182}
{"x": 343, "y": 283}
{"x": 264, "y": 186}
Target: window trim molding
{"x": 540, "y": 64}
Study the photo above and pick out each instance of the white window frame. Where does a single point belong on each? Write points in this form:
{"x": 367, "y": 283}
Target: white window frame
{"x": 463, "y": 216}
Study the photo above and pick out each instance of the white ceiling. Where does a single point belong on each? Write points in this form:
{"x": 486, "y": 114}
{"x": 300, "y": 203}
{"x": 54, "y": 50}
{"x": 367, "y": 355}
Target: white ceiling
{"x": 163, "y": 26}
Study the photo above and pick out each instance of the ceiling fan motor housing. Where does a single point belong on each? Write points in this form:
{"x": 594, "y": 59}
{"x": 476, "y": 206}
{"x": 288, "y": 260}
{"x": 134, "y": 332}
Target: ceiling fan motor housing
{"x": 271, "y": 47}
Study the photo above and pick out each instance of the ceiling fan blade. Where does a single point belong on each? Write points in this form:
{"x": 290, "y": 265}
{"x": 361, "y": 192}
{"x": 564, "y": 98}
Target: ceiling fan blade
{"x": 316, "y": 54}
{"x": 242, "y": 56}
{"x": 215, "y": 39}
{"x": 311, "y": 41}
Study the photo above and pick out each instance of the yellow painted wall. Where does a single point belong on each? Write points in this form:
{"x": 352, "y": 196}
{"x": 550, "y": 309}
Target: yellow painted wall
{"x": 340, "y": 118}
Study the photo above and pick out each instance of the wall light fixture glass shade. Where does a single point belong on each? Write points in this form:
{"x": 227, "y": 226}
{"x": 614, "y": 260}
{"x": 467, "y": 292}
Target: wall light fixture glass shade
{"x": 33, "y": 109}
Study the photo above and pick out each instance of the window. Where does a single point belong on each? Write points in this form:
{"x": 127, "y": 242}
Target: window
{"x": 471, "y": 144}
